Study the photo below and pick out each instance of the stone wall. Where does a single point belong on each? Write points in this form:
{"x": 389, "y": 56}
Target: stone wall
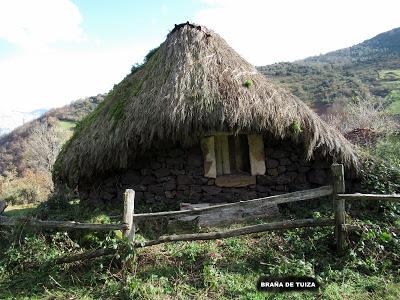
{"x": 166, "y": 177}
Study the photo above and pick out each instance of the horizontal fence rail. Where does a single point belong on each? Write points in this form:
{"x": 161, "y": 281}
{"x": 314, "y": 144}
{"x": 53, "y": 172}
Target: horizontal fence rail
{"x": 14, "y": 222}
{"x": 289, "y": 224}
{"x": 272, "y": 200}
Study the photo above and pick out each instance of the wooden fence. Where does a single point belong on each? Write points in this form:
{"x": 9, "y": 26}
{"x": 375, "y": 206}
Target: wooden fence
{"x": 336, "y": 191}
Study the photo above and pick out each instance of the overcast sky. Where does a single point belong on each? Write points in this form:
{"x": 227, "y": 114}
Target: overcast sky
{"x": 56, "y": 51}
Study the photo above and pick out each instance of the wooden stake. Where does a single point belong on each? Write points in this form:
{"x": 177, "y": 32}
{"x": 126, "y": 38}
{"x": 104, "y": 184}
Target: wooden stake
{"x": 339, "y": 204}
{"x": 129, "y": 207}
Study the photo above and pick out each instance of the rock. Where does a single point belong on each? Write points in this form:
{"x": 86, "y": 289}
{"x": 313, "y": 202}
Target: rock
{"x": 177, "y": 172}
{"x": 130, "y": 178}
{"x": 156, "y": 189}
{"x": 184, "y": 180}
{"x": 170, "y": 194}
{"x": 211, "y": 190}
{"x": 273, "y": 172}
{"x": 147, "y": 180}
{"x": 146, "y": 172}
{"x": 304, "y": 169}
{"x": 194, "y": 160}
{"x": 155, "y": 165}
{"x": 266, "y": 180}
{"x": 272, "y": 163}
{"x": 169, "y": 185}
{"x": 278, "y": 154}
{"x": 285, "y": 161}
{"x": 283, "y": 179}
{"x": 262, "y": 189}
{"x": 281, "y": 169}
{"x": 317, "y": 176}
{"x": 235, "y": 181}
{"x": 161, "y": 173}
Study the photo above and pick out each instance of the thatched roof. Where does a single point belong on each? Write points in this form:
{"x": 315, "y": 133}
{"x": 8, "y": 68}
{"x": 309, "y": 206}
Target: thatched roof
{"x": 193, "y": 84}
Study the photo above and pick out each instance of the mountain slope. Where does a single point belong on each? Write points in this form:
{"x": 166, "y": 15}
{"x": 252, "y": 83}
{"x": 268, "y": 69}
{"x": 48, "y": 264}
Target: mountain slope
{"x": 369, "y": 68}
{"x": 13, "y": 146}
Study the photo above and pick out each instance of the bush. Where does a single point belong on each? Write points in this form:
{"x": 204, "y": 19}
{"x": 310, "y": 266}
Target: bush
{"x": 31, "y": 187}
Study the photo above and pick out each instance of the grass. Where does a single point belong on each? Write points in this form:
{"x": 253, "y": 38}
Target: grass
{"x": 21, "y": 210}
{"x": 67, "y": 125}
{"x": 391, "y": 81}
{"x": 220, "y": 269}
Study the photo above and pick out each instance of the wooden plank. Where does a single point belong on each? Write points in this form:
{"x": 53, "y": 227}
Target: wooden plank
{"x": 272, "y": 200}
{"x": 339, "y": 204}
{"x": 241, "y": 231}
{"x": 375, "y": 197}
{"x": 256, "y": 154}
{"x": 225, "y": 216}
{"x": 208, "y": 148}
{"x": 129, "y": 207}
{"x": 66, "y": 225}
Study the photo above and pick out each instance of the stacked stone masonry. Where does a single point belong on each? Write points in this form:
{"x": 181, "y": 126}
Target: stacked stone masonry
{"x": 175, "y": 175}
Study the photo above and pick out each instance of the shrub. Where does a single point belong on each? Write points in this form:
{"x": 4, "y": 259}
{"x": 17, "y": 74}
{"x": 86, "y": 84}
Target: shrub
{"x": 31, "y": 187}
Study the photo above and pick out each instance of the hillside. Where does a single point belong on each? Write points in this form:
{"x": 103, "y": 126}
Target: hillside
{"x": 369, "y": 68}
{"x": 13, "y": 145}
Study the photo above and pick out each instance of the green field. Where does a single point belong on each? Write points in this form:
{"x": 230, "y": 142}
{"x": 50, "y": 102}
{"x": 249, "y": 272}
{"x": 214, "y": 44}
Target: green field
{"x": 391, "y": 81}
{"x": 67, "y": 125}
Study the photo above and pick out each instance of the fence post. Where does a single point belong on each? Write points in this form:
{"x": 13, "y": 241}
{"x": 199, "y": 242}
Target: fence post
{"x": 339, "y": 204}
{"x": 129, "y": 207}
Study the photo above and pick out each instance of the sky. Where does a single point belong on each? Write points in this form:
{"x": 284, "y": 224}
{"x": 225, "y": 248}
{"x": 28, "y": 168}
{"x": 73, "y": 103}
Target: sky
{"x": 55, "y": 51}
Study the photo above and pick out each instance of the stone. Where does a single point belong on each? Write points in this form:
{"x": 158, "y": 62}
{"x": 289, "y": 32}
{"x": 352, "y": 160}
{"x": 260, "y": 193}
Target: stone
{"x": 170, "y": 194}
{"x": 130, "y": 177}
{"x": 155, "y": 165}
{"x": 176, "y": 152}
{"x": 266, "y": 180}
{"x": 317, "y": 176}
{"x": 301, "y": 178}
{"x": 285, "y": 161}
{"x": 283, "y": 179}
{"x": 146, "y": 172}
{"x": 194, "y": 160}
{"x": 319, "y": 164}
{"x": 272, "y": 163}
{"x": 278, "y": 154}
{"x": 262, "y": 188}
{"x": 184, "y": 179}
{"x": 304, "y": 169}
{"x": 294, "y": 157}
{"x": 169, "y": 185}
{"x": 139, "y": 187}
{"x": 147, "y": 180}
{"x": 211, "y": 190}
{"x": 177, "y": 172}
{"x": 273, "y": 172}
{"x": 235, "y": 181}
{"x": 156, "y": 189}
{"x": 281, "y": 169}
{"x": 161, "y": 173}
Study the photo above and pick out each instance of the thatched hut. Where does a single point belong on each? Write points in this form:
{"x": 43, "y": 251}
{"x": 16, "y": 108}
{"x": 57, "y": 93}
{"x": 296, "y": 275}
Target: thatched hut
{"x": 197, "y": 123}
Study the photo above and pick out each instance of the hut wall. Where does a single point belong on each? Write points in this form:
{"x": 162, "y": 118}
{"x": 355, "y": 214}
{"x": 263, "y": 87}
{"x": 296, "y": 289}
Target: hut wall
{"x": 166, "y": 177}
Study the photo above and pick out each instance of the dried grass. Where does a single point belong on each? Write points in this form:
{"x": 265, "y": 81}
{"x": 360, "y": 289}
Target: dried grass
{"x": 192, "y": 85}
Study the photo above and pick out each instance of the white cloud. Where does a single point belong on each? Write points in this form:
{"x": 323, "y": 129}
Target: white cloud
{"x": 54, "y": 78}
{"x": 270, "y": 31}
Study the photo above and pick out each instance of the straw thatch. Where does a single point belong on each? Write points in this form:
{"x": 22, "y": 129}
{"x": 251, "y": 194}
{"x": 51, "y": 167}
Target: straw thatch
{"x": 193, "y": 84}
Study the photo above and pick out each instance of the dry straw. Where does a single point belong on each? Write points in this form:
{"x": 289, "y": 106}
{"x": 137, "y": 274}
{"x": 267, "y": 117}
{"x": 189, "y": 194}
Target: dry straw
{"x": 193, "y": 84}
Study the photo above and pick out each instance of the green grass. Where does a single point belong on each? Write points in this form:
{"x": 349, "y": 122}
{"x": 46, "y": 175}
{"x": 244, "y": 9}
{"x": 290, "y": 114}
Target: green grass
{"x": 67, "y": 125}
{"x": 21, "y": 210}
{"x": 220, "y": 269}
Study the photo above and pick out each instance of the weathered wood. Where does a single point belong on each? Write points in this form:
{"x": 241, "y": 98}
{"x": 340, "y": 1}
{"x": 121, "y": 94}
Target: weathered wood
{"x": 272, "y": 200}
{"x": 208, "y": 148}
{"x": 66, "y": 225}
{"x": 241, "y": 231}
{"x": 256, "y": 154}
{"x": 339, "y": 204}
{"x": 375, "y": 197}
{"x": 3, "y": 206}
{"x": 225, "y": 216}
{"x": 129, "y": 207}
